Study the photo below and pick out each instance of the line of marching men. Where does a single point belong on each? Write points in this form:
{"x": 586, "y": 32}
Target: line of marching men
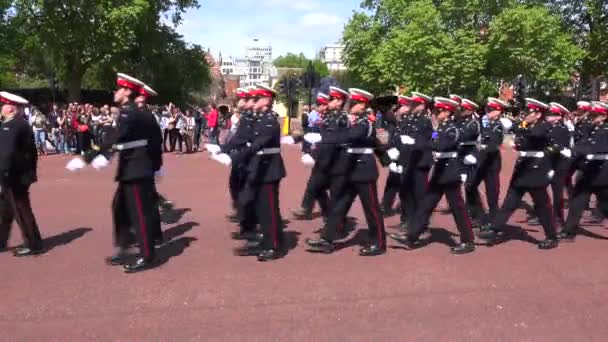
{"x": 437, "y": 147}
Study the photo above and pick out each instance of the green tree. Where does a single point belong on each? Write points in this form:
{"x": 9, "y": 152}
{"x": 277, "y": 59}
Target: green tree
{"x": 76, "y": 35}
{"x": 292, "y": 60}
{"x": 531, "y": 41}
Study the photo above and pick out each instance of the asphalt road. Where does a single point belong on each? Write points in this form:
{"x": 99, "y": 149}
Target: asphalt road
{"x": 511, "y": 292}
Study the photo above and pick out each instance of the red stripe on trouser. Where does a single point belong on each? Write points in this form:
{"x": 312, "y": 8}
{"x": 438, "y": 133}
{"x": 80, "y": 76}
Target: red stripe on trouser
{"x": 374, "y": 200}
{"x": 142, "y": 221}
{"x": 274, "y": 229}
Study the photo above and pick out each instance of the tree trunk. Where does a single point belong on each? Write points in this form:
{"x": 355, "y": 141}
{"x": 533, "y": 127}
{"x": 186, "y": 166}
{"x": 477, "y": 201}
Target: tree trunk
{"x": 73, "y": 83}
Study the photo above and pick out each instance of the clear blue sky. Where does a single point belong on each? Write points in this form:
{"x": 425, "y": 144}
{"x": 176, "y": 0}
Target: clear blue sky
{"x": 288, "y": 25}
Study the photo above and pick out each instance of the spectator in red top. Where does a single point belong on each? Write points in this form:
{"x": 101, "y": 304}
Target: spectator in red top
{"x": 212, "y": 123}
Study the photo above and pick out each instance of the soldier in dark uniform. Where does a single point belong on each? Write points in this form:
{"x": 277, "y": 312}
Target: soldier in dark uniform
{"x": 594, "y": 171}
{"x": 489, "y": 163}
{"x": 532, "y": 174}
{"x": 415, "y": 156}
{"x": 318, "y": 182}
{"x": 239, "y": 140}
{"x": 446, "y": 179}
{"x": 265, "y": 169}
{"x": 470, "y": 129}
{"x": 135, "y": 202}
{"x": 560, "y": 155}
{"x": 142, "y": 104}
{"x": 361, "y": 179}
{"x": 393, "y": 181}
{"x": 18, "y": 163}
{"x": 582, "y": 128}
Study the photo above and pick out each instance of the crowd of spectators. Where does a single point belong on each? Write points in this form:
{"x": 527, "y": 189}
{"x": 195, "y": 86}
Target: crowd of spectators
{"x": 74, "y": 128}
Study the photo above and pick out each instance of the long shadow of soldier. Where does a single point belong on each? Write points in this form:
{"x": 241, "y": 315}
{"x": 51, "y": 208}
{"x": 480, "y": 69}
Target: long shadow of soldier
{"x": 172, "y": 249}
{"x": 179, "y": 230}
{"x": 170, "y": 215}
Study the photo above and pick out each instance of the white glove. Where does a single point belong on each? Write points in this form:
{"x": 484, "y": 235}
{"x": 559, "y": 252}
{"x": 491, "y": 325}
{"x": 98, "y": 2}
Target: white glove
{"x": 551, "y": 173}
{"x": 75, "y": 164}
{"x": 312, "y": 138}
{"x": 590, "y": 156}
{"x": 566, "y": 153}
{"x": 222, "y": 158}
{"x": 212, "y": 148}
{"x": 470, "y": 159}
{"x": 407, "y": 140}
{"x": 287, "y": 140}
{"x": 100, "y": 162}
{"x": 393, "y": 153}
{"x": 463, "y": 177}
{"x": 308, "y": 160}
{"x": 570, "y": 126}
{"x": 506, "y": 123}
{"x": 393, "y": 167}
{"x": 399, "y": 169}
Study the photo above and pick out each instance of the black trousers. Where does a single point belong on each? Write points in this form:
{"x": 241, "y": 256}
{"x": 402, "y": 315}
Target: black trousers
{"x": 267, "y": 213}
{"x": 542, "y": 207}
{"x": 316, "y": 190}
{"x": 235, "y": 183}
{"x": 558, "y": 187}
{"x": 453, "y": 194}
{"x": 579, "y": 200}
{"x": 15, "y": 205}
{"x": 166, "y": 139}
{"x": 135, "y": 205}
{"x": 391, "y": 190}
{"x": 368, "y": 194}
{"x": 414, "y": 185}
{"x": 174, "y": 137}
{"x": 198, "y": 130}
{"x": 491, "y": 178}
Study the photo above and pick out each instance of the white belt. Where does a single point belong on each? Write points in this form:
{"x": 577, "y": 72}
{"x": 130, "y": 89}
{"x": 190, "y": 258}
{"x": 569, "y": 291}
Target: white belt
{"x": 483, "y": 146}
{"x": 272, "y": 150}
{"x": 597, "y": 157}
{"x": 444, "y": 155}
{"x": 532, "y": 154}
{"x": 468, "y": 143}
{"x": 131, "y": 144}
{"x": 353, "y": 150}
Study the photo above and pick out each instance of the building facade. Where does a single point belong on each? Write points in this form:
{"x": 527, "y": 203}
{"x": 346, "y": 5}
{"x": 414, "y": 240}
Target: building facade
{"x": 256, "y": 67}
{"x": 331, "y": 55}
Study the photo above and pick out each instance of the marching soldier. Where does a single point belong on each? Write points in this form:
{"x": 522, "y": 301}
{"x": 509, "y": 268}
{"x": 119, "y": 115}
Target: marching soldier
{"x": 142, "y": 104}
{"x": 415, "y": 156}
{"x": 582, "y": 128}
{"x": 240, "y": 139}
{"x": 532, "y": 174}
{"x": 318, "y": 182}
{"x": 361, "y": 179}
{"x": 489, "y": 163}
{"x": 393, "y": 181}
{"x": 265, "y": 169}
{"x": 18, "y": 164}
{"x": 135, "y": 201}
{"x": 470, "y": 130}
{"x": 594, "y": 169}
{"x": 446, "y": 179}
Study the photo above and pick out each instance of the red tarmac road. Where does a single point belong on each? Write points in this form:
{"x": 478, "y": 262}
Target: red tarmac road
{"x": 512, "y": 292}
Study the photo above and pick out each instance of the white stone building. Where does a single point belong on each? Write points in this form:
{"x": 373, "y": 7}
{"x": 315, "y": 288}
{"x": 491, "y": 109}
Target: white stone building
{"x": 256, "y": 67}
{"x": 331, "y": 55}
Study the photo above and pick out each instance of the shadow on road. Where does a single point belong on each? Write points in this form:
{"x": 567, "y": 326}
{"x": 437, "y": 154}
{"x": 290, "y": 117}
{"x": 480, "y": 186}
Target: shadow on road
{"x": 64, "y": 238}
{"x": 179, "y": 230}
{"x": 172, "y": 215}
{"x": 590, "y": 234}
{"x": 173, "y": 248}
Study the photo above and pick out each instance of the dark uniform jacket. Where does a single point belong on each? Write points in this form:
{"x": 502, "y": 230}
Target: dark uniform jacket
{"x": 18, "y": 153}
{"x": 492, "y": 136}
{"x": 532, "y": 172}
{"x": 418, "y": 155}
{"x": 595, "y": 172}
{"x": 243, "y": 135}
{"x": 339, "y": 162}
{"x": 469, "y": 135}
{"x": 559, "y": 140}
{"x": 361, "y": 167}
{"x": 261, "y": 164}
{"x": 139, "y": 162}
{"x": 446, "y": 141}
